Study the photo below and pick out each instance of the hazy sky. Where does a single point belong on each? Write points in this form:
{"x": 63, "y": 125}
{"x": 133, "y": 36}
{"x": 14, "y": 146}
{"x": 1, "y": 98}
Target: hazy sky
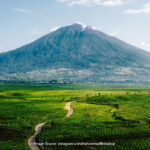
{"x": 22, "y": 21}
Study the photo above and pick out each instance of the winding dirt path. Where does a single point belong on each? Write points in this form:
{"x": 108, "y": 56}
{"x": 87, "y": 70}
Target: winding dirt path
{"x": 70, "y": 110}
{"x": 31, "y": 140}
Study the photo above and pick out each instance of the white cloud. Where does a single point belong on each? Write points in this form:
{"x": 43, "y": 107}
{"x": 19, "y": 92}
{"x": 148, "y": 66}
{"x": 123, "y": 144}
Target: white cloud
{"x": 96, "y": 28}
{"x": 115, "y": 32}
{"x": 144, "y": 10}
{"x": 114, "y": 2}
{"x": 55, "y": 28}
{"x": 82, "y": 24}
{"x": 145, "y": 46}
{"x": 21, "y": 10}
{"x": 78, "y": 22}
{"x": 95, "y": 2}
{"x": 35, "y": 32}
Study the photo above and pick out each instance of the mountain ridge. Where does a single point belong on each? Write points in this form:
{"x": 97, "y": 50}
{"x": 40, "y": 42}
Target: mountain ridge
{"x": 76, "y": 48}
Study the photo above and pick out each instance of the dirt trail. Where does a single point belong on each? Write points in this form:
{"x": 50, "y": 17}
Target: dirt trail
{"x": 31, "y": 140}
{"x": 70, "y": 110}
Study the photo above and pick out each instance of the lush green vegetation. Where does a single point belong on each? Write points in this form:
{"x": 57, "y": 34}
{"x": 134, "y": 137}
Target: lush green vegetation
{"x": 118, "y": 116}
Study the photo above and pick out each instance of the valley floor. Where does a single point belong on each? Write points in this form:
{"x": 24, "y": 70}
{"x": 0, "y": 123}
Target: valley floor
{"x": 120, "y": 117}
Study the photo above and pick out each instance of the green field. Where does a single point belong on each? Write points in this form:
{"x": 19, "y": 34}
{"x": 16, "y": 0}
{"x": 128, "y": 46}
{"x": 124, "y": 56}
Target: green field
{"x": 101, "y": 114}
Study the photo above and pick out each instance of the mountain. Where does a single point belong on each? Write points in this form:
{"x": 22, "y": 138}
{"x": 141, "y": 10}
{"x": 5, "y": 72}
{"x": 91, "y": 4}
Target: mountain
{"x": 76, "y": 53}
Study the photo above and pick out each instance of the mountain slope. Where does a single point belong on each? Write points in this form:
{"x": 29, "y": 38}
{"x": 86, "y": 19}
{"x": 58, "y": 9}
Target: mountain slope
{"x": 76, "y": 53}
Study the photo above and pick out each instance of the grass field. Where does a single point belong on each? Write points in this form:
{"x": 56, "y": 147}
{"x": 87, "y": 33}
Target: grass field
{"x": 109, "y": 115}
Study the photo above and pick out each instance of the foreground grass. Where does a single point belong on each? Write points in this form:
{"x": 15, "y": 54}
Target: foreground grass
{"x": 119, "y": 116}
{"x": 128, "y": 125}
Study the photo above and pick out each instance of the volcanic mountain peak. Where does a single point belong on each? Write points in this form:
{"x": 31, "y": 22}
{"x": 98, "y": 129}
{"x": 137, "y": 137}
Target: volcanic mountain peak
{"x": 86, "y": 54}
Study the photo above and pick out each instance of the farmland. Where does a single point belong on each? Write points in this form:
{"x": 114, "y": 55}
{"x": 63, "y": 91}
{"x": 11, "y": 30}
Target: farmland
{"x": 109, "y": 115}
